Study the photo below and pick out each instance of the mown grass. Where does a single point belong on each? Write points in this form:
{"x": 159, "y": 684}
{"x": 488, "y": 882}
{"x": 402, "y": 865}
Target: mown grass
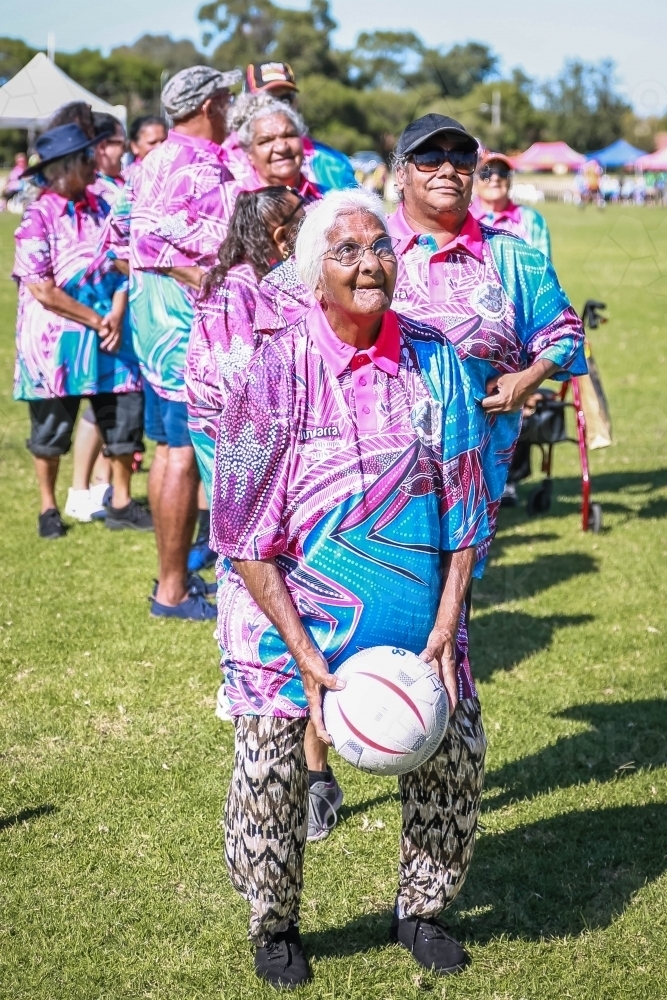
{"x": 113, "y": 769}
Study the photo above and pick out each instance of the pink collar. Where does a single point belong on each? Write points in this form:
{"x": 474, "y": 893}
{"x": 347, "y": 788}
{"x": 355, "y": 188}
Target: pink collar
{"x": 511, "y": 212}
{"x": 469, "y": 238}
{"x": 384, "y": 353}
{"x": 197, "y": 142}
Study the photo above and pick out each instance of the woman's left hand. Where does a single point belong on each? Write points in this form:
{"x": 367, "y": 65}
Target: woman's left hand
{"x": 439, "y": 653}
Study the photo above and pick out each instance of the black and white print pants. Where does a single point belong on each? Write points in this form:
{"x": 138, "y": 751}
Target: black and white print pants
{"x": 266, "y": 819}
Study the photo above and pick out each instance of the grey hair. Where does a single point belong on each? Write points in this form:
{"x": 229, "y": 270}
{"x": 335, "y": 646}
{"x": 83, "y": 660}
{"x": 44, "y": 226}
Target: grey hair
{"x": 312, "y": 242}
{"x": 262, "y": 106}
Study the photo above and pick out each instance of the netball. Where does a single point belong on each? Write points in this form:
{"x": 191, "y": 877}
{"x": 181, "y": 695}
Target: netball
{"x": 392, "y": 714}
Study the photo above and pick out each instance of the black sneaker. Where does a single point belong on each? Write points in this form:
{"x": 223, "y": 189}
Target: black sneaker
{"x": 282, "y": 962}
{"x": 51, "y": 524}
{"x": 429, "y": 944}
{"x": 132, "y": 516}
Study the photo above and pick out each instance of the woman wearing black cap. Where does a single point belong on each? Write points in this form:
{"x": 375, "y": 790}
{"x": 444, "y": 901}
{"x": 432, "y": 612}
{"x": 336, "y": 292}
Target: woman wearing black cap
{"x": 71, "y": 335}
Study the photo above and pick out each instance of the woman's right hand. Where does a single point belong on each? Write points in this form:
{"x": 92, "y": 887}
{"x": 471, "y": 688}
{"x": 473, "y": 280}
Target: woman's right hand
{"x": 316, "y": 679}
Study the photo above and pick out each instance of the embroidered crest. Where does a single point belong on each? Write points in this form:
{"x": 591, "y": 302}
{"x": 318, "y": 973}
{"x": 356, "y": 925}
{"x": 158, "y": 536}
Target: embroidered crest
{"x": 490, "y": 301}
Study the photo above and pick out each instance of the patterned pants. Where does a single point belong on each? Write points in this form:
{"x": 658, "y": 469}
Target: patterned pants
{"x": 267, "y": 818}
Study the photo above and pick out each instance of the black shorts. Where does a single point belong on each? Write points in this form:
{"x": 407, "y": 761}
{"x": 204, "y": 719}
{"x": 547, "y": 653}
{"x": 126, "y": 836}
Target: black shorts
{"x": 119, "y": 416}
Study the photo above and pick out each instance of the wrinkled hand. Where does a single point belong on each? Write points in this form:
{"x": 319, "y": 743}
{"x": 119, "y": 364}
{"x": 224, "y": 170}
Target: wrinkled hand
{"x": 316, "y": 678}
{"x": 111, "y": 332}
{"x": 439, "y": 653}
{"x": 507, "y": 393}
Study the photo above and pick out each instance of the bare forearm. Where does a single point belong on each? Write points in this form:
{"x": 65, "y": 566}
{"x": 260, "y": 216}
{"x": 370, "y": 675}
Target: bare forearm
{"x": 190, "y": 276}
{"x": 457, "y": 572}
{"x": 537, "y": 373}
{"x": 57, "y": 301}
{"x": 267, "y": 588}
{"x": 123, "y": 266}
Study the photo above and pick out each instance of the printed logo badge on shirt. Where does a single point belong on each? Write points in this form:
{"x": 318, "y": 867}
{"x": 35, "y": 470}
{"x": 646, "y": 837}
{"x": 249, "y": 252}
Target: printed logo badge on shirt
{"x": 426, "y": 419}
{"x": 490, "y": 301}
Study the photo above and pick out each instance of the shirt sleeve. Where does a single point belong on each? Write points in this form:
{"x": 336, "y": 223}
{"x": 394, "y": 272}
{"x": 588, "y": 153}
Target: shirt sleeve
{"x": 32, "y": 262}
{"x": 252, "y": 463}
{"x": 192, "y": 233}
{"x": 464, "y": 516}
{"x": 547, "y": 325}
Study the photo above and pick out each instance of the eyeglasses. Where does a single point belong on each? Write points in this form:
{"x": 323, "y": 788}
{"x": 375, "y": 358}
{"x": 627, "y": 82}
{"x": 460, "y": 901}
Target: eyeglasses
{"x": 487, "y": 172}
{"x": 428, "y": 161}
{"x": 348, "y": 254}
{"x": 301, "y": 201}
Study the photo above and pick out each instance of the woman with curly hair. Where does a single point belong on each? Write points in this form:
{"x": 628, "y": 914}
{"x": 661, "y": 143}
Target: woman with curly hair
{"x": 223, "y": 339}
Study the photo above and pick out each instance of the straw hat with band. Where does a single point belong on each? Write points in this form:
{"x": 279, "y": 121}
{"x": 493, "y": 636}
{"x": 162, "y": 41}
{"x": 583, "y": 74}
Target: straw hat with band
{"x": 59, "y": 142}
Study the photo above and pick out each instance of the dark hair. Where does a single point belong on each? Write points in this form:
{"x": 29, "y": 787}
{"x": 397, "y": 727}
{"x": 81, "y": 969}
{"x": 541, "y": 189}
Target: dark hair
{"x": 105, "y": 124}
{"x": 75, "y": 113}
{"x": 140, "y": 123}
{"x": 255, "y": 216}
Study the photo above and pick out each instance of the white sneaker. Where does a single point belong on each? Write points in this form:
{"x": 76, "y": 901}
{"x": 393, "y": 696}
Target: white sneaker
{"x": 97, "y": 493}
{"x": 222, "y": 705}
{"x": 80, "y": 505}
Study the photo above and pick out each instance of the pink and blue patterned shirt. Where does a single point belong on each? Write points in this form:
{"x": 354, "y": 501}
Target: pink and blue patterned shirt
{"x": 182, "y": 168}
{"x": 58, "y": 240}
{"x": 222, "y": 342}
{"x": 521, "y": 220}
{"x": 354, "y": 470}
{"x": 498, "y": 301}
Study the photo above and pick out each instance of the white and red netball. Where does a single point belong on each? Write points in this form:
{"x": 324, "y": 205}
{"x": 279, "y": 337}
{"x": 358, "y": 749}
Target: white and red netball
{"x": 392, "y": 714}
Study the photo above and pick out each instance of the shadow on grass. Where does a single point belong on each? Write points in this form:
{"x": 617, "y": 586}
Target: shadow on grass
{"x": 557, "y": 877}
{"x": 502, "y": 639}
{"x": 519, "y": 581}
{"x": 562, "y": 876}
{"x": 26, "y": 814}
{"x": 569, "y": 487}
{"x": 622, "y": 738}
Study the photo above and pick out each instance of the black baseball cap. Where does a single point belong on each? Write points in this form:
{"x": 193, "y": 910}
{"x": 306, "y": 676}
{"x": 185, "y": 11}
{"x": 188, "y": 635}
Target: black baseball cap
{"x": 417, "y": 133}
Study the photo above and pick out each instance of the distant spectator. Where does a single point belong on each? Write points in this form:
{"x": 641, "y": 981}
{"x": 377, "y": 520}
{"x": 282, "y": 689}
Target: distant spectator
{"x": 493, "y": 206}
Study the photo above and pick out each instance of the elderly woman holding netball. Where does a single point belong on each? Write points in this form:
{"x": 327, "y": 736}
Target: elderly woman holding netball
{"x": 348, "y": 501}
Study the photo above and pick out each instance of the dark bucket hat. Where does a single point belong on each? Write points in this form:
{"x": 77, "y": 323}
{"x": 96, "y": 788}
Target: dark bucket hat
{"x": 60, "y": 142}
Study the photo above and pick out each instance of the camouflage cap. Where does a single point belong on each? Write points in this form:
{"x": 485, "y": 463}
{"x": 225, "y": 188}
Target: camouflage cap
{"x": 187, "y": 90}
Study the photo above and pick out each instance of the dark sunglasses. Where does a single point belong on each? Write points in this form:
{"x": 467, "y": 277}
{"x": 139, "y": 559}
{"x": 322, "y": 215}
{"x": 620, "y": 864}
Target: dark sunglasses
{"x": 428, "y": 161}
{"x": 486, "y": 173}
{"x": 350, "y": 253}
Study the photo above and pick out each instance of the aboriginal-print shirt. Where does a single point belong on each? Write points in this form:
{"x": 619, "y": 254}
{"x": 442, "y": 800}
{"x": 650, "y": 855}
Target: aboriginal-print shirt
{"x": 282, "y": 298}
{"x": 222, "y": 342}
{"x": 354, "y": 470}
{"x": 498, "y": 302}
{"x": 325, "y": 167}
{"x": 108, "y": 188}
{"x": 162, "y": 308}
{"x": 58, "y": 240}
{"x": 522, "y": 220}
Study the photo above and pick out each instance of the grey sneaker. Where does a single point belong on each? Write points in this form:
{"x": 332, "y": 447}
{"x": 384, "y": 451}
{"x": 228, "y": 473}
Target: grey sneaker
{"x": 325, "y": 799}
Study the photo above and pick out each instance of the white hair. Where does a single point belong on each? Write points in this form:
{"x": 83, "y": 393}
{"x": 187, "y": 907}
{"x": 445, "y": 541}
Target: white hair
{"x": 242, "y": 119}
{"x": 312, "y": 242}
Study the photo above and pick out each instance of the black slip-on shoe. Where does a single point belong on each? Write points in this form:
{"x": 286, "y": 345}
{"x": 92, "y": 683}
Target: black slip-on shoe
{"x": 132, "y": 516}
{"x": 50, "y": 524}
{"x": 282, "y": 961}
{"x": 429, "y": 944}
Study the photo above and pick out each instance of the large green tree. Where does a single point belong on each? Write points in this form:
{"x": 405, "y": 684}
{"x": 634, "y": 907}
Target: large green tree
{"x": 584, "y": 106}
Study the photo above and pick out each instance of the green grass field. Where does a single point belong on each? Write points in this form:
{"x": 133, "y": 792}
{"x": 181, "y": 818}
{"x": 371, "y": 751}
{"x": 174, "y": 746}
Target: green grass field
{"x": 113, "y": 768}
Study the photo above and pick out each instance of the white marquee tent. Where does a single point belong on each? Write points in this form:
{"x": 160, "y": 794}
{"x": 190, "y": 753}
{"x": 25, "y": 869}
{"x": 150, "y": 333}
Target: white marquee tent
{"x": 30, "y": 98}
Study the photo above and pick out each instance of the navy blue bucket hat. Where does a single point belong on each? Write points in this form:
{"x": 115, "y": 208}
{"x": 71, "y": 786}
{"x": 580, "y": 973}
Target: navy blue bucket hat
{"x": 60, "y": 142}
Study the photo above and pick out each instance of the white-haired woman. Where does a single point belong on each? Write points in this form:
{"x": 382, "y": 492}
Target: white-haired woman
{"x": 265, "y": 146}
{"x": 348, "y": 501}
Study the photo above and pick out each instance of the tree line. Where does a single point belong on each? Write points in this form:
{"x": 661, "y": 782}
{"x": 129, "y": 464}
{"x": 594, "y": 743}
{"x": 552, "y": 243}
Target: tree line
{"x": 361, "y": 98}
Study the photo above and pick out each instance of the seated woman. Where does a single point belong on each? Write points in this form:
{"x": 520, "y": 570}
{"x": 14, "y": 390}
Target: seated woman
{"x": 352, "y": 418}
{"x": 72, "y": 335}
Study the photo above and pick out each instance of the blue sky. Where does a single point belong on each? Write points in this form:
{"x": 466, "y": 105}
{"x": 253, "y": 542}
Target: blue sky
{"x": 537, "y": 36}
